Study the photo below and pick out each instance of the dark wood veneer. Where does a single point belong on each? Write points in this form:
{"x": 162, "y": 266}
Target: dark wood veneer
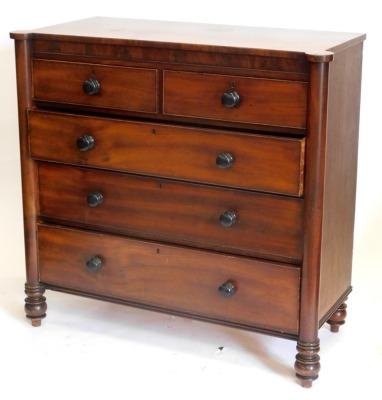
{"x": 177, "y": 201}
{"x": 171, "y": 151}
{"x": 267, "y": 226}
{"x": 167, "y": 276}
{"x": 121, "y": 88}
{"x": 262, "y": 101}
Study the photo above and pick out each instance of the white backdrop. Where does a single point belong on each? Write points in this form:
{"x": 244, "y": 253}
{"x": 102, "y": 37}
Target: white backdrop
{"x": 347, "y": 15}
{"x": 340, "y": 15}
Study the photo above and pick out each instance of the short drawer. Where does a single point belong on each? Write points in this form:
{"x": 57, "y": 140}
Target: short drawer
{"x": 248, "y": 161}
{"x": 256, "y": 101}
{"x": 69, "y": 83}
{"x": 222, "y": 288}
{"x": 229, "y": 220}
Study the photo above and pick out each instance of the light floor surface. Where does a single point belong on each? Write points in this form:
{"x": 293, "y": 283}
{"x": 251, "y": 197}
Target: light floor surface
{"x": 88, "y": 349}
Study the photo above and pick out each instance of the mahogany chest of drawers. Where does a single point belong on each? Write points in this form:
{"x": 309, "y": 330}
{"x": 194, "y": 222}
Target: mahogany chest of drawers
{"x": 202, "y": 170}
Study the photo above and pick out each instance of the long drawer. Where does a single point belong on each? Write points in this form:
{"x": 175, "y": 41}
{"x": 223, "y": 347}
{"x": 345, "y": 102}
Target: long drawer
{"x": 234, "y": 221}
{"x": 235, "y": 289}
{"x": 70, "y": 83}
{"x": 247, "y": 161}
{"x": 235, "y": 98}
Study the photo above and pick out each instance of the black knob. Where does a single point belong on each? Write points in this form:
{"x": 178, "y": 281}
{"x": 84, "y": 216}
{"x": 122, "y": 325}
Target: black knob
{"x": 224, "y": 160}
{"x": 85, "y": 142}
{"x": 94, "y": 199}
{"x": 91, "y": 86}
{"x": 228, "y": 219}
{"x": 230, "y": 99}
{"x": 94, "y": 264}
{"x": 227, "y": 289}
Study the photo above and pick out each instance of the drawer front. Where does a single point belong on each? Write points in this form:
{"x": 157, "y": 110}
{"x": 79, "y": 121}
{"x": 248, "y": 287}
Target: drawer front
{"x": 260, "y": 163}
{"x": 261, "y": 101}
{"x": 133, "y": 89}
{"x": 265, "y": 295}
{"x": 197, "y": 215}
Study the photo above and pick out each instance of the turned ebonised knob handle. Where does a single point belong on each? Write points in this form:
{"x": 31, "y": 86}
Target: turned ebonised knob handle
{"x": 228, "y": 219}
{"x": 94, "y": 199}
{"x": 230, "y": 99}
{"x": 85, "y": 142}
{"x": 91, "y": 86}
{"x": 94, "y": 264}
{"x": 227, "y": 289}
{"x": 224, "y": 160}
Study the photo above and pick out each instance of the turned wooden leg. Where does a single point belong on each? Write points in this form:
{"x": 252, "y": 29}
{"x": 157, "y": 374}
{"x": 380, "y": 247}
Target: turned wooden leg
{"x": 35, "y": 305}
{"x": 338, "y": 318}
{"x": 307, "y": 365}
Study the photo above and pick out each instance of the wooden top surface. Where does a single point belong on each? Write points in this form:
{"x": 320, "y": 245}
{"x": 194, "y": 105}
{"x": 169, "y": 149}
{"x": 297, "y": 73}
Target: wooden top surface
{"x": 318, "y": 46}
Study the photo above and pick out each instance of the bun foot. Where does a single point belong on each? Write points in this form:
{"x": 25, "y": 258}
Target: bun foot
{"x": 338, "y": 318}
{"x": 35, "y": 305}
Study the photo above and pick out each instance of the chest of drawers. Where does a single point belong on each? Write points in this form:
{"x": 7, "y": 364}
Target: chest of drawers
{"x": 202, "y": 170}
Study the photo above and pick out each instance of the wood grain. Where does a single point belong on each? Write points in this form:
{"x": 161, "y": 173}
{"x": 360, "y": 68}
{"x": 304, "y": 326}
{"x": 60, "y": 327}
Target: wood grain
{"x": 267, "y": 226}
{"x": 167, "y": 276}
{"x": 121, "y": 88}
{"x": 263, "y": 163}
{"x": 340, "y": 178}
{"x": 262, "y": 101}
{"x": 156, "y": 240}
{"x": 285, "y": 43}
